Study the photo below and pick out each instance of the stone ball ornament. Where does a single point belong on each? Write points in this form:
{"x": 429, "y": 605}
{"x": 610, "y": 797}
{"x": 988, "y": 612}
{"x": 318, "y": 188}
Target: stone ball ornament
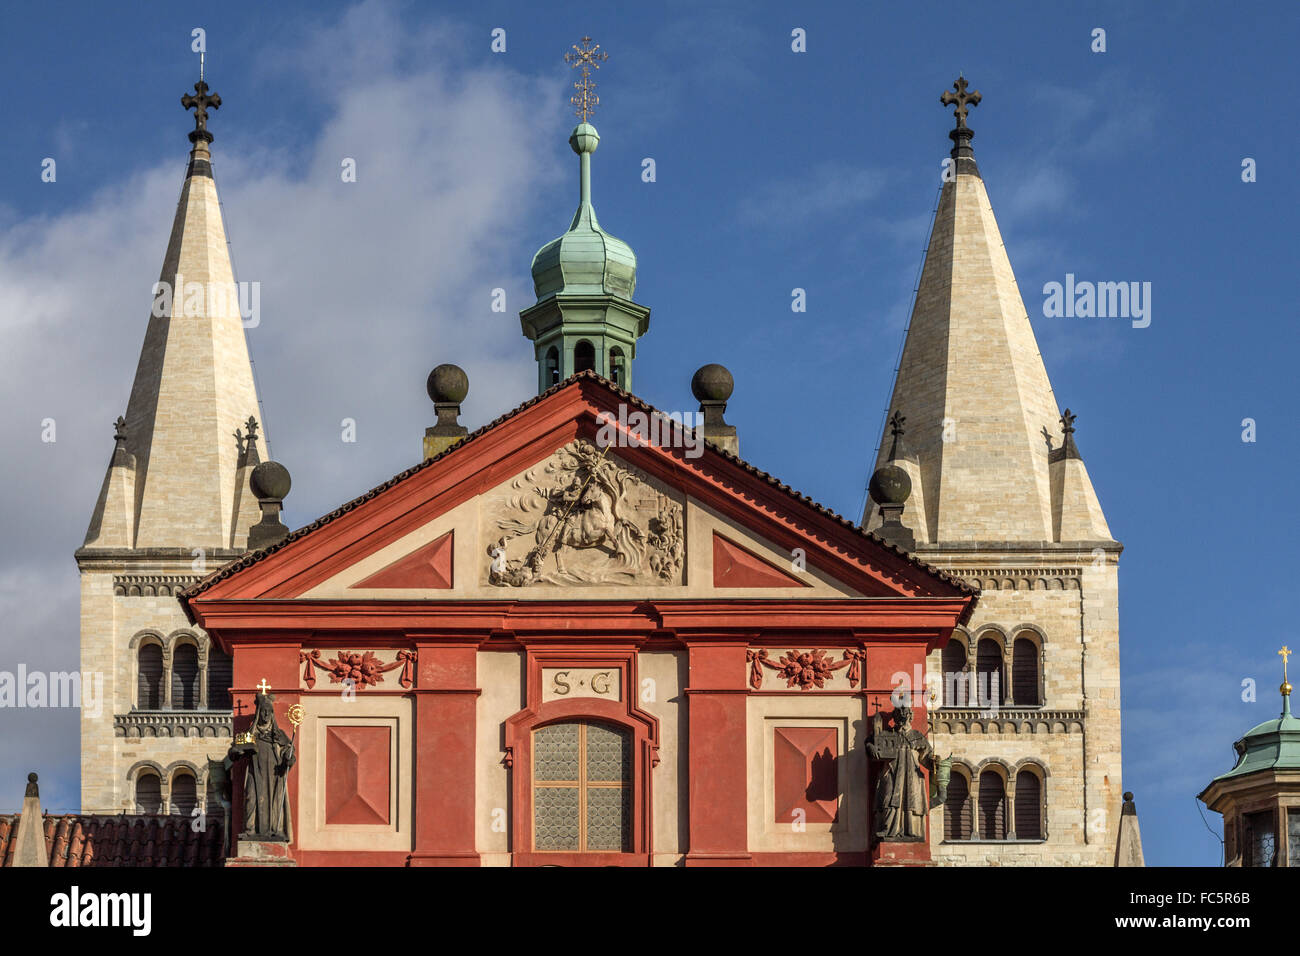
{"x": 270, "y": 479}
{"x": 890, "y": 485}
{"x": 448, "y": 384}
{"x": 712, "y": 383}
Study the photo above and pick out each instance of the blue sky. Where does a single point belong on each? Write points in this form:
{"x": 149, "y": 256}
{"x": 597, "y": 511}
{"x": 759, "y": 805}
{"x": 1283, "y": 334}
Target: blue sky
{"x": 774, "y": 170}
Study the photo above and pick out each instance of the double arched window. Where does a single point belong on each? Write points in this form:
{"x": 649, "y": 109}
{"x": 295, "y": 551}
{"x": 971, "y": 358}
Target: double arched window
{"x": 184, "y": 672}
{"x": 995, "y": 804}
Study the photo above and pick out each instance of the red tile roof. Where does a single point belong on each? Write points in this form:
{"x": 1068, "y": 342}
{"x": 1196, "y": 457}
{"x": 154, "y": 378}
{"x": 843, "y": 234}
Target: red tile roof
{"x": 120, "y": 840}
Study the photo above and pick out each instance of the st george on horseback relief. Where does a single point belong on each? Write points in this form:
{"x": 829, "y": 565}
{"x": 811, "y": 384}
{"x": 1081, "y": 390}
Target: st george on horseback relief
{"x": 584, "y": 518}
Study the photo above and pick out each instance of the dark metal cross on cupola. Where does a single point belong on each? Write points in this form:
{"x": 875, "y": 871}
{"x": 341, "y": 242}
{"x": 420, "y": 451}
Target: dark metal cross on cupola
{"x": 200, "y": 105}
{"x": 962, "y": 99}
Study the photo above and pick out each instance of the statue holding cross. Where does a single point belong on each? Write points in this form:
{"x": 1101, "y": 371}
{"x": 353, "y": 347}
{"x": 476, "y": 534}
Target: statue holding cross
{"x": 270, "y": 754}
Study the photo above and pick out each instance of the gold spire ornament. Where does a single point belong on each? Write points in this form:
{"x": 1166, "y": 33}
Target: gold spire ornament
{"x": 1285, "y": 653}
{"x": 588, "y": 58}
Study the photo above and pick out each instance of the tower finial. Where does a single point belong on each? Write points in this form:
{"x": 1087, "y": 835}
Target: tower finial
{"x": 962, "y": 134}
{"x": 1285, "y": 652}
{"x": 200, "y": 104}
{"x": 963, "y": 100}
{"x": 588, "y": 58}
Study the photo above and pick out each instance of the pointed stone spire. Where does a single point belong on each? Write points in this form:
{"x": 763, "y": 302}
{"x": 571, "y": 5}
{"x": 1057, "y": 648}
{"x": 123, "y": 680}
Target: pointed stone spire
{"x": 193, "y": 386}
{"x": 973, "y": 387}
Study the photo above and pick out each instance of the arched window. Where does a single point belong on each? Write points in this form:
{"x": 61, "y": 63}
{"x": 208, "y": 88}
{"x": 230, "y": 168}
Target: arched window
{"x": 1029, "y": 806}
{"x": 584, "y": 357}
{"x": 148, "y": 793}
{"x": 582, "y": 788}
{"x": 220, "y": 677}
{"x": 1024, "y": 673}
{"x": 184, "y": 795}
{"x": 988, "y": 667}
{"x": 552, "y": 366}
{"x": 993, "y": 806}
{"x": 957, "y": 809}
{"x": 185, "y": 677}
{"x": 956, "y": 692}
{"x": 617, "y": 367}
{"x": 149, "y": 677}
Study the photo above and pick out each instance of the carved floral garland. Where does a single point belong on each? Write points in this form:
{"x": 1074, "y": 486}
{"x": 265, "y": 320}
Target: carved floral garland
{"x": 362, "y": 669}
{"x": 808, "y": 669}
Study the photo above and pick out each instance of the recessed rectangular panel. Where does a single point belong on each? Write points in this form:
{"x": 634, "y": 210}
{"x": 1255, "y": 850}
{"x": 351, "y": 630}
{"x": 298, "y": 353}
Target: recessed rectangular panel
{"x": 358, "y": 775}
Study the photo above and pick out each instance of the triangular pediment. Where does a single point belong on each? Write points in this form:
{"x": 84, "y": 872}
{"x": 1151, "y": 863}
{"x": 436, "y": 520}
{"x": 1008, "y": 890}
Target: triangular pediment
{"x": 543, "y": 505}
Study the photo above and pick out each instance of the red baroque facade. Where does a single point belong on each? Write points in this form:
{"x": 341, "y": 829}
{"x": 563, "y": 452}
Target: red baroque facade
{"x": 694, "y": 688}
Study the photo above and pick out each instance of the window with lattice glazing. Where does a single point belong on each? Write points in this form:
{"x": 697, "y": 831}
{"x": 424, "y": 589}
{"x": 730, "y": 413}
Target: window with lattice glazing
{"x": 582, "y": 788}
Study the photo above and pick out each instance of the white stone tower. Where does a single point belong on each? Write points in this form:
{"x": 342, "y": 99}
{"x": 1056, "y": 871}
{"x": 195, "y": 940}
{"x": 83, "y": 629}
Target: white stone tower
{"x": 1030, "y": 709}
{"x": 175, "y": 503}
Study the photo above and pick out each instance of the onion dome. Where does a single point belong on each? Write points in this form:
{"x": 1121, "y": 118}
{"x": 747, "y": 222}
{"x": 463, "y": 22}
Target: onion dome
{"x": 586, "y": 260}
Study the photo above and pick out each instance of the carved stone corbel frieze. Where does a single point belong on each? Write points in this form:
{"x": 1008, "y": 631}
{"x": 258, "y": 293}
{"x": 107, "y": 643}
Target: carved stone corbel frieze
{"x": 363, "y": 669}
{"x": 805, "y": 669}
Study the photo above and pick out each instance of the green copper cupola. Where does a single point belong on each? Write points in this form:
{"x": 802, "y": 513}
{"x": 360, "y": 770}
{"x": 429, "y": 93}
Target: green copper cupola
{"x": 584, "y": 317}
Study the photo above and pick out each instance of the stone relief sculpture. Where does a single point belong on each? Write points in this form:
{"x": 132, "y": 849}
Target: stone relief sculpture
{"x": 583, "y": 518}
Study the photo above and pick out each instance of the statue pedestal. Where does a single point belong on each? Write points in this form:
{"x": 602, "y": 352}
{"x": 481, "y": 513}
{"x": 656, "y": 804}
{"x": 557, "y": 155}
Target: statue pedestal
{"x": 889, "y": 853}
{"x": 261, "y": 853}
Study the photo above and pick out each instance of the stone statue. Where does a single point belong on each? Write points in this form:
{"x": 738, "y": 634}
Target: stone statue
{"x": 270, "y": 755}
{"x": 902, "y": 797}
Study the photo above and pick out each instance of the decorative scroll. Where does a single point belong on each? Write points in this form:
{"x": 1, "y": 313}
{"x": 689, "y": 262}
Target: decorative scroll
{"x": 807, "y": 669}
{"x": 363, "y": 669}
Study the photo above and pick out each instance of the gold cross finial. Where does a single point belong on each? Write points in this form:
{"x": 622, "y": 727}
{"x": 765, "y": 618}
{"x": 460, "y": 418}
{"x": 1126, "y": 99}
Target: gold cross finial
{"x": 588, "y": 58}
{"x": 264, "y": 687}
{"x": 1285, "y": 653}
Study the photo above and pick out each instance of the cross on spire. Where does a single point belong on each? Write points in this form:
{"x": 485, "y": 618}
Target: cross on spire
{"x": 588, "y": 58}
{"x": 962, "y": 99}
{"x": 200, "y": 105}
{"x": 896, "y": 423}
